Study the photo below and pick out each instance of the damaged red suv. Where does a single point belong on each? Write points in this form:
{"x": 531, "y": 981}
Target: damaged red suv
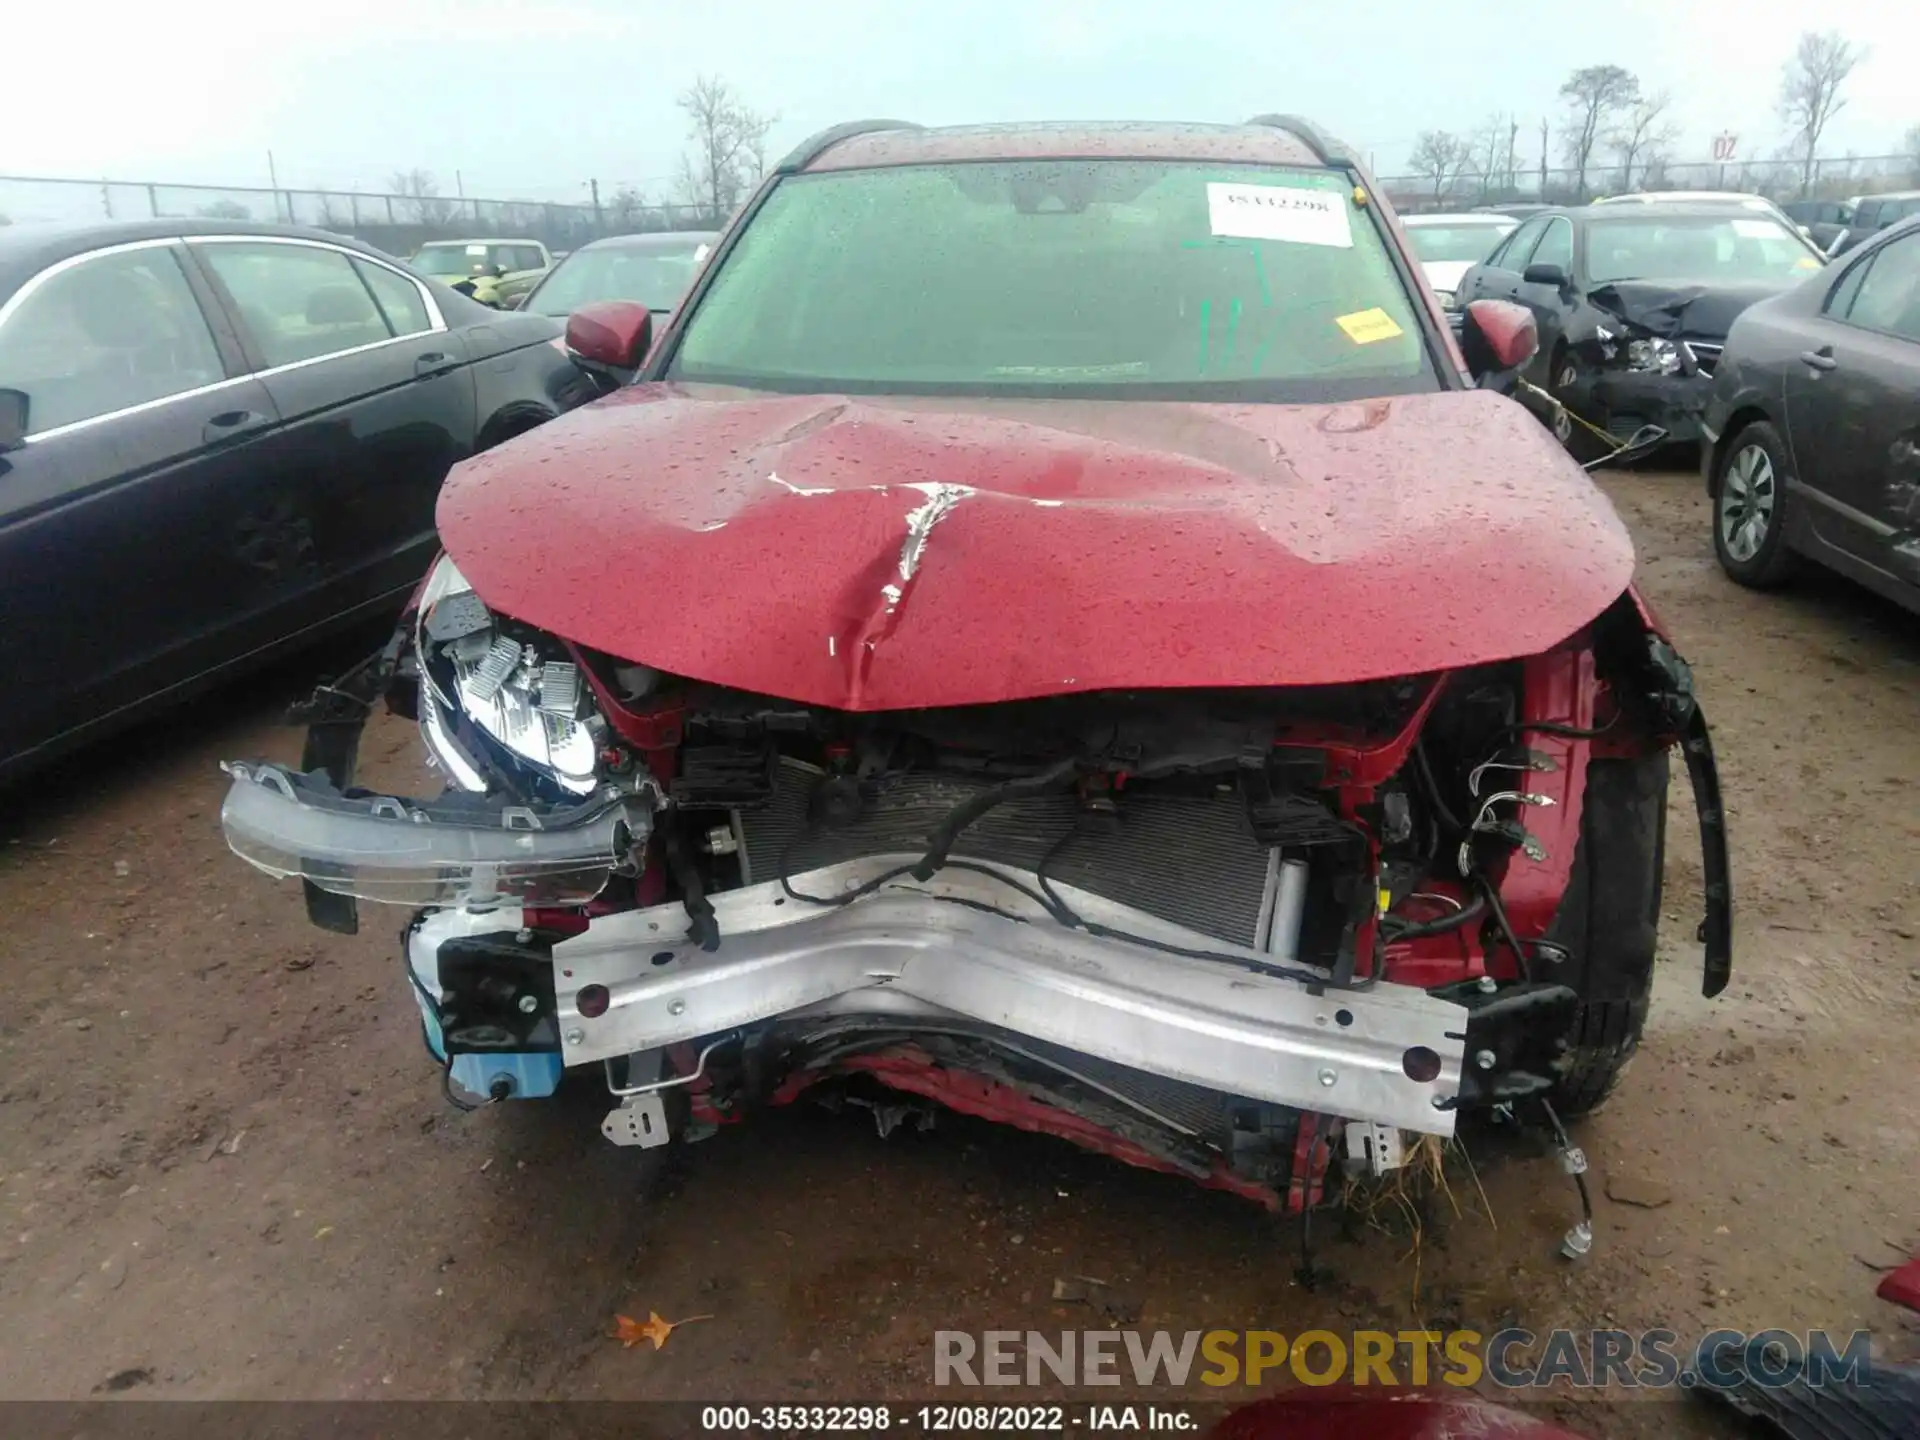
{"x": 1055, "y": 626}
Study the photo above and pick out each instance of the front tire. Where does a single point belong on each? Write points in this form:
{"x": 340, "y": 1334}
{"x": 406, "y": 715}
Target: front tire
{"x": 1750, "y": 509}
{"x": 1579, "y": 442}
{"x": 1608, "y": 924}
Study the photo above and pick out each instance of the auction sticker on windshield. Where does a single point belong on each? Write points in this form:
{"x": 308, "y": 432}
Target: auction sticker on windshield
{"x": 1279, "y": 212}
{"x": 1363, "y": 327}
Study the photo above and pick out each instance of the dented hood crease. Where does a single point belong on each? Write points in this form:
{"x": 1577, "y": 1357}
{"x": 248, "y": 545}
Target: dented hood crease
{"x": 891, "y": 553}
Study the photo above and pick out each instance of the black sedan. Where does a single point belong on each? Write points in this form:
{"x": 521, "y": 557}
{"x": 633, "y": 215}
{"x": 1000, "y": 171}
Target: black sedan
{"x": 1633, "y": 303}
{"x": 651, "y": 270}
{"x": 1814, "y": 426}
{"x": 220, "y": 440}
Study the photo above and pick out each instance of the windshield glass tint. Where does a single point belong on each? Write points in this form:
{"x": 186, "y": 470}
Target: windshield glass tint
{"x": 1078, "y": 276}
{"x": 1472, "y": 243}
{"x": 654, "y": 277}
{"x": 451, "y": 260}
{"x": 1705, "y": 247}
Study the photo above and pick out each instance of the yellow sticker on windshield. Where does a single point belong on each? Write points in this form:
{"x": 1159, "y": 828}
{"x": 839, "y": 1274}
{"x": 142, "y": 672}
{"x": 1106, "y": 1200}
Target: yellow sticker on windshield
{"x": 1806, "y": 262}
{"x": 1364, "y": 327}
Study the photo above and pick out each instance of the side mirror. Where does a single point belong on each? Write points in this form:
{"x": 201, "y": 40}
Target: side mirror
{"x": 1546, "y": 273}
{"x": 13, "y": 419}
{"x": 614, "y": 333}
{"x": 1497, "y": 337}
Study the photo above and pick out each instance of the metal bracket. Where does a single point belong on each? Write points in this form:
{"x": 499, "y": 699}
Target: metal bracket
{"x": 1375, "y": 1147}
{"x": 638, "y": 1120}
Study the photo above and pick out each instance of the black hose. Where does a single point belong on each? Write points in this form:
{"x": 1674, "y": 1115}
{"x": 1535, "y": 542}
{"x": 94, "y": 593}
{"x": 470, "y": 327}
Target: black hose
{"x": 1506, "y": 925}
{"x": 1433, "y": 789}
{"x": 1465, "y": 915}
{"x": 941, "y": 841}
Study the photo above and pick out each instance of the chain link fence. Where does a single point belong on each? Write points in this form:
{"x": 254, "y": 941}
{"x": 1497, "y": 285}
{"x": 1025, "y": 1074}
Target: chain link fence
{"x": 398, "y": 224}
{"x": 1781, "y": 180}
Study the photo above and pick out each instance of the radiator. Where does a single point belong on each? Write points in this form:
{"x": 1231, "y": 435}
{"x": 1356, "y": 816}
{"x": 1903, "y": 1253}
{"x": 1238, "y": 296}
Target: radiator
{"x": 1189, "y": 859}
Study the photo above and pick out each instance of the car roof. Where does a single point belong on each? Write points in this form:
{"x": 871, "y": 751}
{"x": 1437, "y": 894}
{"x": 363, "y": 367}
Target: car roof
{"x": 478, "y": 240}
{"x": 1700, "y": 209}
{"x": 653, "y": 240}
{"x": 1665, "y": 197}
{"x": 1267, "y": 142}
{"x": 1887, "y": 195}
{"x": 27, "y": 249}
{"x": 1456, "y": 217}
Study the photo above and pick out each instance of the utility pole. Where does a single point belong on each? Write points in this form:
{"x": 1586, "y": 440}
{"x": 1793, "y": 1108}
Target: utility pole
{"x": 273, "y": 182}
{"x": 459, "y": 185}
{"x": 1513, "y": 140}
{"x": 599, "y": 224}
{"x": 1543, "y": 159}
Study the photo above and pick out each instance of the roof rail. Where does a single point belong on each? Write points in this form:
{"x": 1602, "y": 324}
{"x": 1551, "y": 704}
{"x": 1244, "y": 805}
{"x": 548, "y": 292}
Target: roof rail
{"x": 1326, "y": 149}
{"x": 814, "y": 146}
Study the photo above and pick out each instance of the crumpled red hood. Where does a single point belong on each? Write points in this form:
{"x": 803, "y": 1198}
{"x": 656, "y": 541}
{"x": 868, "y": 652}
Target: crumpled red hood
{"x": 877, "y": 554}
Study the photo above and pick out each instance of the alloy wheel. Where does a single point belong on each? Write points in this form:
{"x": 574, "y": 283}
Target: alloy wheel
{"x": 1748, "y": 494}
{"x": 1563, "y": 379}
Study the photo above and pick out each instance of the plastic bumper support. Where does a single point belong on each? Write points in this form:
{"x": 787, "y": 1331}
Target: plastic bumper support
{"x": 459, "y": 850}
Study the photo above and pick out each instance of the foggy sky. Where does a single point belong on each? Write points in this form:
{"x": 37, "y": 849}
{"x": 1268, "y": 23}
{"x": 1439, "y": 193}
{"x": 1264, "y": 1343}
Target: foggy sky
{"x": 529, "y": 100}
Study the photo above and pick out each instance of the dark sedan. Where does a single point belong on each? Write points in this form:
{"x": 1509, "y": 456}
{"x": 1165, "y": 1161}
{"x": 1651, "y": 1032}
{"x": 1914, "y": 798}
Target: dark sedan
{"x": 651, "y": 270}
{"x": 1633, "y": 303}
{"x": 1814, "y": 426}
{"x": 219, "y": 440}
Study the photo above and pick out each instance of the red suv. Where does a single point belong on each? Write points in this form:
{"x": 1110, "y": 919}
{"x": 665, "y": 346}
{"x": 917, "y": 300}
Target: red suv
{"x": 1055, "y": 627}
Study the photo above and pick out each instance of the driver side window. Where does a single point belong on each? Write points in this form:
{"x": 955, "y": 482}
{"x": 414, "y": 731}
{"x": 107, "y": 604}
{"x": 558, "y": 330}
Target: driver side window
{"x": 1513, "y": 255}
{"x": 109, "y": 333}
{"x": 1556, "y": 246}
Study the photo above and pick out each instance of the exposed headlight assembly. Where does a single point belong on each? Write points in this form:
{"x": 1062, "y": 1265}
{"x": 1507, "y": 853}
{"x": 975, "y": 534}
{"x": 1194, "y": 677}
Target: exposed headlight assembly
{"x": 494, "y": 696}
{"x": 1660, "y": 357}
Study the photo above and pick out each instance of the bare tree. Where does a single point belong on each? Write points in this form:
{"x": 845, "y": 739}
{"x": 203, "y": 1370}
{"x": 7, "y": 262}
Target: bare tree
{"x": 1438, "y": 156}
{"x": 729, "y": 147}
{"x": 430, "y": 207}
{"x": 1594, "y": 97}
{"x": 225, "y": 210}
{"x": 1490, "y": 145}
{"x": 1810, "y": 91}
{"x": 1643, "y": 132}
{"x": 626, "y": 209}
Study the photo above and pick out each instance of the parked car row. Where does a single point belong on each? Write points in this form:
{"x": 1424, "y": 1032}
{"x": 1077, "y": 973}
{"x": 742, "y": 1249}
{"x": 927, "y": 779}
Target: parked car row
{"x": 1720, "y": 319}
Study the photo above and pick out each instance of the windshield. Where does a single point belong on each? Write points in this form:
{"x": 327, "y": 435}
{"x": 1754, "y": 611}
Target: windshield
{"x": 656, "y": 277}
{"x": 454, "y": 259}
{"x": 1697, "y": 247}
{"x": 1472, "y": 243}
{"x": 1067, "y": 276}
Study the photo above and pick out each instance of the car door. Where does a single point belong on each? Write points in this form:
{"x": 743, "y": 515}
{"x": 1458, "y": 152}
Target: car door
{"x": 377, "y": 404}
{"x": 118, "y": 574}
{"x": 1498, "y": 276}
{"x": 1550, "y": 304}
{"x": 1853, "y": 406}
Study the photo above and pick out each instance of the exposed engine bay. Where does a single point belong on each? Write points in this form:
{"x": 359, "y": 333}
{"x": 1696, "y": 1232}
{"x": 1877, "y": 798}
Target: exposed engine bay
{"x": 1234, "y": 934}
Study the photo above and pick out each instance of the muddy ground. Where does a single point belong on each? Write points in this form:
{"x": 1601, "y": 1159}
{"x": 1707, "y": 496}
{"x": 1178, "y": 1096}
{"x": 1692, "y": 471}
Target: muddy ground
{"x": 226, "y": 1169}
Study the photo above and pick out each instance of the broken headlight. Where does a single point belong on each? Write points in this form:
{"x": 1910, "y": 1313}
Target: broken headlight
{"x": 1660, "y": 357}
{"x": 500, "y": 703}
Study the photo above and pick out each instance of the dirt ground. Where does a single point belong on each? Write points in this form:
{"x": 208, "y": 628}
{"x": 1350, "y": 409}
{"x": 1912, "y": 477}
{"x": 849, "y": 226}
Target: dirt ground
{"x": 226, "y": 1169}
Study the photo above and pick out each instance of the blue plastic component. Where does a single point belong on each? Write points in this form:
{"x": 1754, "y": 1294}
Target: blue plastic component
{"x": 528, "y": 1076}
